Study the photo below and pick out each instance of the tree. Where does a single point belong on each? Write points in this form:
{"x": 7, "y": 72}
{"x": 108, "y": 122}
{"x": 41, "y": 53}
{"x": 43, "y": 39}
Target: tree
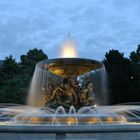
{"x": 135, "y": 59}
{"x": 119, "y": 74}
{"x": 15, "y": 77}
{"x": 28, "y": 61}
{"x": 135, "y": 55}
{"x": 15, "y": 90}
{"x": 8, "y": 70}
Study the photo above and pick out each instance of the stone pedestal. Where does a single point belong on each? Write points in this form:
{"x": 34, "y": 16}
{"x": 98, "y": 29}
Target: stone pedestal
{"x": 97, "y": 132}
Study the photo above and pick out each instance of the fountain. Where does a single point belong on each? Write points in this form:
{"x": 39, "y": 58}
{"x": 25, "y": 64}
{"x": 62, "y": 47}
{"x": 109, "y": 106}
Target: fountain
{"x": 62, "y": 105}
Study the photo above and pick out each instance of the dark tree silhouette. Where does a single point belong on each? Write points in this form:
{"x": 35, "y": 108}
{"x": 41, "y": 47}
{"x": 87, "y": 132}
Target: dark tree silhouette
{"x": 15, "y": 77}
{"x": 119, "y": 74}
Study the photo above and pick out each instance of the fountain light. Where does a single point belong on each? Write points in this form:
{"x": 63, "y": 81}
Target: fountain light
{"x": 69, "y": 49}
{"x": 95, "y": 105}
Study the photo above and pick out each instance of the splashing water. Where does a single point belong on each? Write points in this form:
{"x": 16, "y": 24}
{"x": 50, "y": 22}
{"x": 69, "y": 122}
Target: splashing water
{"x": 104, "y": 85}
{"x": 27, "y": 115}
{"x": 38, "y": 80}
{"x": 68, "y": 49}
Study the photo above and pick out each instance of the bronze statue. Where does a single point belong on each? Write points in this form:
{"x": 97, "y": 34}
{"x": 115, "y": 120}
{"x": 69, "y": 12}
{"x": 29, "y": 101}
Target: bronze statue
{"x": 87, "y": 97}
{"x": 69, "y": 93}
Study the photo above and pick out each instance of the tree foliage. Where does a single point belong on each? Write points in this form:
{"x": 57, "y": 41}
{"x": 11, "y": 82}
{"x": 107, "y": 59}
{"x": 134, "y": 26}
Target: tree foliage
{"x": 122, "y": 76}
{"x": 135, "y": 55}
{"x": 9, "y": 69}
{"x": 135, "y": 59}
{"x": 15, "y": 77}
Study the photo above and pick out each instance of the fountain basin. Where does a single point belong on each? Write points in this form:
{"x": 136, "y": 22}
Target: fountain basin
{"x": 70, "y": 120}
{"x": 100, "y": 122}
{"x": 70, "y": 67}
{"x": 100, "y": 132}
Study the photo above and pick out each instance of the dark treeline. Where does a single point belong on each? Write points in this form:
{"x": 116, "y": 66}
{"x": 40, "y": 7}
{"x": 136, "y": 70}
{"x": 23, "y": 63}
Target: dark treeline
{"x": 15, "y": 76}
{"x": 123, "y": 76}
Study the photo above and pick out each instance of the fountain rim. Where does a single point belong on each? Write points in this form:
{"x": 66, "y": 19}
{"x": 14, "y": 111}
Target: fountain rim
{"x": 48, "y": 61}
{"x": 66, "y": 67}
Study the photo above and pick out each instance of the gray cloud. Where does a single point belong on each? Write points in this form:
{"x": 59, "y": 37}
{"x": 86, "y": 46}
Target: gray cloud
{"x": 97, "y": 26}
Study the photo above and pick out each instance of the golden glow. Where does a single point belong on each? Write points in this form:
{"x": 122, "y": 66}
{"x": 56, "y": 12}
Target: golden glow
{"x": 69, "y": 49}
{"x": 110, "y": 120}
{"x": 71, "y": 120}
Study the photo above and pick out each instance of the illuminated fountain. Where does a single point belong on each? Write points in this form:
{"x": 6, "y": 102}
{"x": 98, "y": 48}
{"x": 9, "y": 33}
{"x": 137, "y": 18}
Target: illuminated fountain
{"x": 62, "y": 93}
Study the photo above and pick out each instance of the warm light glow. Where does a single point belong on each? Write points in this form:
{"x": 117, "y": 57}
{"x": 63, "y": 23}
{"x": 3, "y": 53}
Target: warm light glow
{"x": 95, "y": 105}
{"x": 69, "y": 123}
{"x": 69, "y": 49}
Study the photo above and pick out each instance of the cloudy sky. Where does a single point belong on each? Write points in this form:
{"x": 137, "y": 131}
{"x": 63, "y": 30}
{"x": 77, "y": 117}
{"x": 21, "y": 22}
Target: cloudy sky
{"x": 96, "y": 25}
